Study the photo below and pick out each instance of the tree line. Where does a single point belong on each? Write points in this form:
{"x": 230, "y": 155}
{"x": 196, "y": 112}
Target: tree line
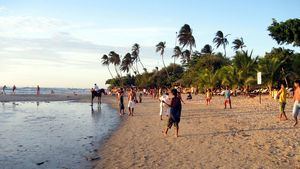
{"x": 207, "y": 69}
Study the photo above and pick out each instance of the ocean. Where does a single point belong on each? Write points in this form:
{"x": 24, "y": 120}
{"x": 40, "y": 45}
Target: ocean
{"x": 32, "y": 90}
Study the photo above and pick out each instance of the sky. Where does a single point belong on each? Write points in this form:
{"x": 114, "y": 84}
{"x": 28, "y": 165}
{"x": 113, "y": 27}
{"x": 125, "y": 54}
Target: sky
{"x": 59, "y": 43}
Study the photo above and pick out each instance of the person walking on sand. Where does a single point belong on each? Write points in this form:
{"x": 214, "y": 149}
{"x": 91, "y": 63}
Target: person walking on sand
{"x": 162, "y": 105}
{"x": 120, "y": 98}
{"x": 175, "y": 113}
{"x": 14, "y": 90}
{"x": 227, "y": 95}
{"x": 282, "y": 101}
{"x": 131, "y": 101}
{"x": 38, "y": 90}
{"x": 296, "y": 108}
{"x": 208, "y": 96}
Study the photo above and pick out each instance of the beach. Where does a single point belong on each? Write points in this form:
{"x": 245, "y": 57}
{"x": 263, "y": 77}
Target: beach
{"x": 247, "y": 136}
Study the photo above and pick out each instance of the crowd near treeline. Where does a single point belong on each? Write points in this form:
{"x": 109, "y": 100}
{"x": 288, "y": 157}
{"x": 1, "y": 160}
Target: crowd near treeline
{"x": 207, "y": 69}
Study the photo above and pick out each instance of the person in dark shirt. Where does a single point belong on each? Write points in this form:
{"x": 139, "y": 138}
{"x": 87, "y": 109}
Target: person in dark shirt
{"x": 175, "y": 113}
{"x": 120, "y": 98}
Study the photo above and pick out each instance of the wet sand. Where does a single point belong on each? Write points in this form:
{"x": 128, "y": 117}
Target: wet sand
{"x": 247, "y": 136}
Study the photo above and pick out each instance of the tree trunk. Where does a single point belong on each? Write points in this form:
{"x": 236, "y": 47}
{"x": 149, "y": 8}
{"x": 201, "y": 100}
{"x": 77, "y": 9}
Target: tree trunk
{"x": 162, "y": 57}
{"x": 110, "y": 72}
{"x": 224, "y": 50}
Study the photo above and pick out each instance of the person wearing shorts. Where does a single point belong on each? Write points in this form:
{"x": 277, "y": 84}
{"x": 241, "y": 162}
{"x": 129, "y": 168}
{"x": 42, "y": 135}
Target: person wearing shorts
{"x": 175, "y": 113}
{"x": 282, "y": 101}
{"x": 227, "y": 94}
{"x": 296, "y": 108}
{"x": 121, "y": 102}
{"x": 131, "y": 102}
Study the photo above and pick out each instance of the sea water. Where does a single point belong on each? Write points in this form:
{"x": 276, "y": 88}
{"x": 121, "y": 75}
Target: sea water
{"x": 52, "y": 135}
{"x": 32, "y": 90}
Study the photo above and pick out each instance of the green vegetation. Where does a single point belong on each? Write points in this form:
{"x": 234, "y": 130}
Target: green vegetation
{"x": 207, "y": 69}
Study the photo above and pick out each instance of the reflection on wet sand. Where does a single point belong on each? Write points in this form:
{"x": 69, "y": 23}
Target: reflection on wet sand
{"x": 56, "y": 135}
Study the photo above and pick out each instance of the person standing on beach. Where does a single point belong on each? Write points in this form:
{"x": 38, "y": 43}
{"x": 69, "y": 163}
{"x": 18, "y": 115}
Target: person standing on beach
{"x": 38, "y": 90}
{"x": 227, "y": 95}
{"x": 14, "y": 89}
{"x": 131, "y": 101}
{"x": 3, "y": 89}
{"x": 208, "y": 96}
{"x": 175, "y": 113}
{"x": 282, "y": 101}
{"x": 162, "y": 105}
{"x": 121, "y": 102}
{"x": 296, "y": 108}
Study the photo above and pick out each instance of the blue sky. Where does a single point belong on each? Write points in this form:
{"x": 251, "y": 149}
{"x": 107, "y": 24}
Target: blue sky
{"x": 59, "y": 42}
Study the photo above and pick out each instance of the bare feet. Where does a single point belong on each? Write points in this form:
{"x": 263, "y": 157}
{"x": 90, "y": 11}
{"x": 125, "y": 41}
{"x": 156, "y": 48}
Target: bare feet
{"x": 295, "y": 124}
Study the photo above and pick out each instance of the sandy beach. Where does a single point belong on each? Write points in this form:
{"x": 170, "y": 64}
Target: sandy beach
{"x": 247, "y": 136}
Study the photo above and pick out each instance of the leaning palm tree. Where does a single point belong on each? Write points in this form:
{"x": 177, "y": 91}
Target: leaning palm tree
{"x": 207, "y": 49}
{"x": 115, "y": 60}
{"x": 105, "y": 61}
{"x": 186, "y": 38}
{"x": 221, "y": 40}
{"x": 136, "y": 56}
{"x": 126, "y": 63}
{"x": 238, "y": 44}
{"x": 160, "y": 47}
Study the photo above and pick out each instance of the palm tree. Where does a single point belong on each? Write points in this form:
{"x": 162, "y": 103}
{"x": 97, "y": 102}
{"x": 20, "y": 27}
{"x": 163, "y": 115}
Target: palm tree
{"x": 115, "y": 60}
{"x": 207, "y": 49}
{"x": 246, "y": 67}
{"x": 136, "y": 56}
{"x": 160, "y": 47}
{"x": 177, "y": 53}
{"x": 126, "y": 63}
{"x": 270, "y": 67}
{"x": 105, "y": 61}
{"x": 220, "y": 39}
{"x": 186, "y": 38}
{"x": 238, "y": 44}
{"x": 186, "y": 56}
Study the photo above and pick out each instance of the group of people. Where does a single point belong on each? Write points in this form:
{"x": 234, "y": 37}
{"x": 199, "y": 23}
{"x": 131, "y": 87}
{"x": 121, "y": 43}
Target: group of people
{"x": 14, "y": 89}
{"x": 171, "y": 103}
{"x": 132, "y": 100}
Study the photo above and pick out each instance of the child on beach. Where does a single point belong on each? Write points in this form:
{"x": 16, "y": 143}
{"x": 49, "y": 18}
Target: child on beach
{"x": 296, "y": 108}
{"x": 175, "y": 113}
{"x": 282, "y": 101}
{"x": 164, "y": 110}
{"x": 121, "y": 102}
{"x": 208, "y": 96}
{"x": 227, "y": 95}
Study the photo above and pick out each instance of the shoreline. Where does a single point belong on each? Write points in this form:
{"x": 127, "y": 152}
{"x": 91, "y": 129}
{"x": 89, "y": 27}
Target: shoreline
{"x": 247, "y": 136}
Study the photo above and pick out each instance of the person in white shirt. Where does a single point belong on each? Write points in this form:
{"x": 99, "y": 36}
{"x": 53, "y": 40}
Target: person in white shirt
{"x": 96, "y": 88}
{"x": 164, "y": 109}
